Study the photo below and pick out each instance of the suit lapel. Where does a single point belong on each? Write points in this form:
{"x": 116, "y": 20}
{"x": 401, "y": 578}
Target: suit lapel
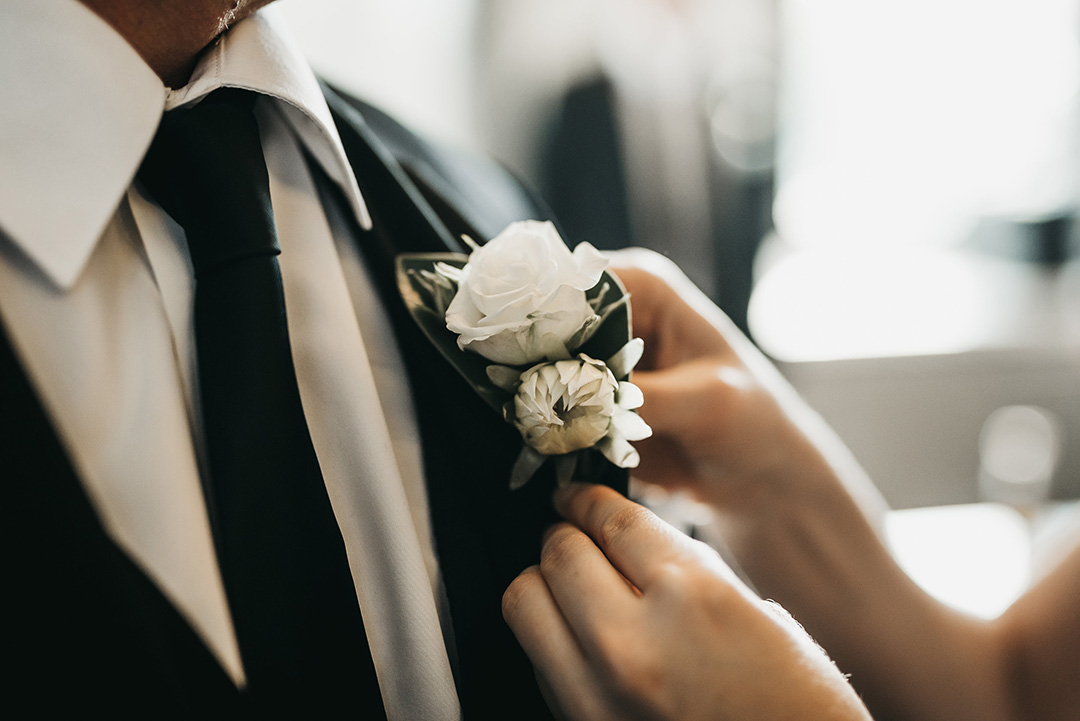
{"x": 484, "y": 533}
{"x": 387, "y": 185}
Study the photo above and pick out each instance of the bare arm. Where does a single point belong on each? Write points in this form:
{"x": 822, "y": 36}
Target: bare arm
{"x": 802, "y": 520}
{"x": 1041, "y": 637}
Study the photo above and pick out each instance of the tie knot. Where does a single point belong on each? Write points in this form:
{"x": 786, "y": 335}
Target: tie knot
{"x": 206, "y": 169}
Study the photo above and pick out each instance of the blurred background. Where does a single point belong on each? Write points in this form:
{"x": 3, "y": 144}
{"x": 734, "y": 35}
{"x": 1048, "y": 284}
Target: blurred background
{"x": 884, "y": 195}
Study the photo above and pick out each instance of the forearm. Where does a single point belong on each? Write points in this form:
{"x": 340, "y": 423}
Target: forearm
{"x": 816, "y": 552}
{"x": 801, "y": 517}
{"x": 1041, "y": 634}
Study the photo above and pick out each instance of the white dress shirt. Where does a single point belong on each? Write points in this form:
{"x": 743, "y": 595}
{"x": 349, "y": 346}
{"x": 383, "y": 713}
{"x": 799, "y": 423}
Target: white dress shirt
{"x": 96, "y": 296}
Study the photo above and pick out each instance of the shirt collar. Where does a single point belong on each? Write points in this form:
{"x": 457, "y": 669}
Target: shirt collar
{"x": 80, "y": 108}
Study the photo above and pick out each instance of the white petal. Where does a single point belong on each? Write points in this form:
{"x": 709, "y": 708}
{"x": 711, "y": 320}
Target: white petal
{"x": 567, "y": 369}
{"x": 591, "y": 264}
{"x": 630, "y": 396}
{"x": 529, "y": 379}
{"x": 619, "y": 452}
{"x": 449, "y": 271}
{"x": 545, "y": 346}
{"x": 501, "y": 348}
{"x": 630, "y": 425}
{"x": 626, "y": 358}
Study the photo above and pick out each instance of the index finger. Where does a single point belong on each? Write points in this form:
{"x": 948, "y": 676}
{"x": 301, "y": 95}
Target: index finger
{"x": 633, "y": 538}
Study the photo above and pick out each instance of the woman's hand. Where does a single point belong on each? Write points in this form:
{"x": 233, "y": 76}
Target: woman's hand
{"x": 727, "y": 426}
{"x": 626, "y": 618}
{"x": 801, "y": 518}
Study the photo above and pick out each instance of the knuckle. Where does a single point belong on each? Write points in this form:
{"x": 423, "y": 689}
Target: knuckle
{"x": 519, "y": 589}
{"x": 592, "y": 504}
{"x": 672, "y": 577}
{"x": 614, "y": 526}
{"x": 694, "y": 585}
{"x": 676, "y": 584}
{"x": 562, "y": 546}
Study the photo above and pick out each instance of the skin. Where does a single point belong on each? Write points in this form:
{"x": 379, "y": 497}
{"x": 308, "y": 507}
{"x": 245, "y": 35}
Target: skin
{"x": 801, "y": 519}
{"x": 171, "y": 34}
{"x": 626, "y": 618}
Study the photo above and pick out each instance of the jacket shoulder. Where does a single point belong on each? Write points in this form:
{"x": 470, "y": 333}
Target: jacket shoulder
{"x": 481, "y": 191}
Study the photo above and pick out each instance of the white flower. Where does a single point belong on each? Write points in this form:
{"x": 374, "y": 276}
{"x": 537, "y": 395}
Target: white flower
{"x": 569, "y": 405}
{"x": 521, "y": 298}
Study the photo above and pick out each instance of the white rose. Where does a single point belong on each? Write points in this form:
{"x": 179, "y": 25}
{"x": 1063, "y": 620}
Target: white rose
{"x": 521, "y": 297}
{"x": 565, "y": 406}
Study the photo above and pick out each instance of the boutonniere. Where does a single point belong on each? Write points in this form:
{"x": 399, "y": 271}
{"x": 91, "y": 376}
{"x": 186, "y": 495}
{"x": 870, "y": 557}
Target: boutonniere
{"x": 543, "y": 336}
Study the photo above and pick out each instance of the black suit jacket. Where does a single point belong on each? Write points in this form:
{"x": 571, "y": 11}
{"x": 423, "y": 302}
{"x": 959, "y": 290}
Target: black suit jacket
{"x": 85, "y": 625}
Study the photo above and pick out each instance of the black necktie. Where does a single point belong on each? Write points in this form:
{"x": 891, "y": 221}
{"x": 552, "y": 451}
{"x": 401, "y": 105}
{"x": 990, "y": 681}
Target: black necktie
{"x": 282, "y": 557}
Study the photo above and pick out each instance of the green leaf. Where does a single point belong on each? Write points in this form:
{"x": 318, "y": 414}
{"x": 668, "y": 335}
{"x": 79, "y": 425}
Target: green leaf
{"x": 613, "y": 331}
{"x": 624, "y": 360}
{"x": 420, "y": 299}
{"x": 527, "y": 464}
{"x": 504, "y": 377}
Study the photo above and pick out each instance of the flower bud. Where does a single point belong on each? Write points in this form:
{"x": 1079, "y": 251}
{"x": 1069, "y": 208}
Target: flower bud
{"x": 565, "y": 406}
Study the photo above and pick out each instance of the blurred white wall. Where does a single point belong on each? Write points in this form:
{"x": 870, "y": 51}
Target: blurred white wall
{"x": 413, "y": 58}
{"x": 906, "y": 122}
{"x": 912, "y": 132}
{"x": 530, "y": 51}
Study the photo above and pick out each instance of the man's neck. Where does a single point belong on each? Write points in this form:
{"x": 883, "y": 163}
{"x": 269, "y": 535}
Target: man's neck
{"x": 171, "y": 34}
